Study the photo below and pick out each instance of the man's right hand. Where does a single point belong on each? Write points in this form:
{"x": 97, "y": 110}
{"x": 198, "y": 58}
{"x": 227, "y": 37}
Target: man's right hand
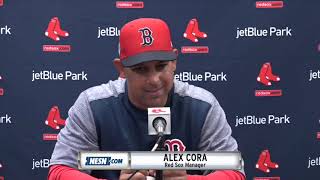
{"x": 125, "y": 174}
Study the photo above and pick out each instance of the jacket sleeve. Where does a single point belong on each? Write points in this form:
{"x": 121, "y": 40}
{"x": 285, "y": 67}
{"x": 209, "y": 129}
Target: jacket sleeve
{"x": 61, "y": 172}
{"x": 219, "y": 175}
{"x": 79, "y": 134}
{"x": 216, "y": 135}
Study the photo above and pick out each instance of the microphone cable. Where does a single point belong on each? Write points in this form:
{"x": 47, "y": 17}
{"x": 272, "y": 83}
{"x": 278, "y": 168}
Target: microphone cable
{"x": 160, "y": 136}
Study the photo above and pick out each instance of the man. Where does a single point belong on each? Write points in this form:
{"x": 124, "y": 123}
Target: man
{"x": 113, "y": 116}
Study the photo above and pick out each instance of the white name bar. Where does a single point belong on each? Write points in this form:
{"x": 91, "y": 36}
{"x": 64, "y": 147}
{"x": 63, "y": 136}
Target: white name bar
{"x": 195, "y": 160}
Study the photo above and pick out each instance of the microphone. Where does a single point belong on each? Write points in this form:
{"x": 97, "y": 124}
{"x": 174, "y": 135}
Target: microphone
{"x": 159, "y": 121}
{"x": 159, "y": 124}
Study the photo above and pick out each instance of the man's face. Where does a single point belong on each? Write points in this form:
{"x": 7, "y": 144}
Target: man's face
{"x": 149, "y": 83}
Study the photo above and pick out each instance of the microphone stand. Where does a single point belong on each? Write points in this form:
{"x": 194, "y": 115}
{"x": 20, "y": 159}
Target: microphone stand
{"x": 159, "y": 173}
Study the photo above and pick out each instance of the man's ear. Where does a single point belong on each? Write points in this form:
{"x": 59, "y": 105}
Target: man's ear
{"x": 175, "y": 61}
{"x": 118, "y": 65}
{"x": 176, "y": 51}
{"x": 174, "y": 65}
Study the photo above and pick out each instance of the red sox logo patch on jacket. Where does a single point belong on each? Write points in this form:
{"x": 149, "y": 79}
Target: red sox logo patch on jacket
{"x": 146, "y": 35}
{"x": 174, "y": 145}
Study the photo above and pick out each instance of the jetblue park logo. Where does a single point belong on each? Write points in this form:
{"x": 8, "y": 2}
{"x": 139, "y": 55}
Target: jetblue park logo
{"x": 271, "y": 119}
{"x": 104, "y": 161}
{"x": 263, "y": 32}
{"x": 199, "y": 77}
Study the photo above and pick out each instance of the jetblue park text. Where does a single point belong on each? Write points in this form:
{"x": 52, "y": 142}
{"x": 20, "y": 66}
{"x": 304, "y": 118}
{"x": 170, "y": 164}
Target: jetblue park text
{"x": 67, "y": 75}
{"x": 254, "y": 120}
{"x": 206, "y": 76}
{"x": 255, "y": 32}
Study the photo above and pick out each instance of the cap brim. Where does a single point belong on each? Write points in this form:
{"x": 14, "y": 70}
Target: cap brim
{"x": 149, "y": 56}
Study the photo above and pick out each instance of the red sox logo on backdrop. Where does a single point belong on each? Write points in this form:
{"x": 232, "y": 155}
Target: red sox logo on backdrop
{"x": 192, "y": 33}
{"x": 266, "y": 75}
{"x": 146, "y": 35}
{"x": 55, "y": 32}
{"x": 267, "y": 78}
{"x": 54, "y": 121}
{"x": 174, "y": 145}
{"x": 264, "y": 164}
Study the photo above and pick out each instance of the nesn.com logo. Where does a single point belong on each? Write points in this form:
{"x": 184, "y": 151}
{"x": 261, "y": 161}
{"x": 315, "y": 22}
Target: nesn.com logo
{"x": 105, "y": 161}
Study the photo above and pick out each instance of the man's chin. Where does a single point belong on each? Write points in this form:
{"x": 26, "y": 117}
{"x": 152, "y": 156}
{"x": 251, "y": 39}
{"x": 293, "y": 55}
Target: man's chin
{"x": 155, "y": 103}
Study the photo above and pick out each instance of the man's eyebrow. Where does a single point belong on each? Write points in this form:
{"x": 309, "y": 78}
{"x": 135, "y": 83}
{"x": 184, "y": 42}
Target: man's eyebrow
{"x": 163, "y": 62}
{"x": 137, "y": 65}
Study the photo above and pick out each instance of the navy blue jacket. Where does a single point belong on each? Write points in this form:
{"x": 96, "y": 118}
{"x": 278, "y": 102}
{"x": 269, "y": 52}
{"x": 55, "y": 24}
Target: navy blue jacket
{"x": 104, "y": 119}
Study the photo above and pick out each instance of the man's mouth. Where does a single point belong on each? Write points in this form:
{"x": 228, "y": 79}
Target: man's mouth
{"x": 154, "y": 92}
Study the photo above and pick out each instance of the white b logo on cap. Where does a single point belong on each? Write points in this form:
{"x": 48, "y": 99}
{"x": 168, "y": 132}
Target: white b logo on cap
{"x": 146, "y": 35}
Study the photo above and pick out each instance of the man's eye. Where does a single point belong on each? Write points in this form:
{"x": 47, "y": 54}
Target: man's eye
{"x": 139, "y": 69}
{"x": 161, "y": 67}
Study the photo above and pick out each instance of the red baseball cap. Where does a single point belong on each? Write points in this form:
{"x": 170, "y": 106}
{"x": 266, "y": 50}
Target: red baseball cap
{"x": 145, "y": 39}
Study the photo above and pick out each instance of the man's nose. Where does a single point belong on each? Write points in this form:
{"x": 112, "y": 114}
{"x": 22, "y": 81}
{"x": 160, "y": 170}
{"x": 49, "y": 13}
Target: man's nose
{"x": 153, "y": 78}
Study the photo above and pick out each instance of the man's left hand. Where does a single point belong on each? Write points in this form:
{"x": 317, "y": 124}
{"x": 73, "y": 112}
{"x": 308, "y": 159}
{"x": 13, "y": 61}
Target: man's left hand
{"x": 175, "y": 175}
